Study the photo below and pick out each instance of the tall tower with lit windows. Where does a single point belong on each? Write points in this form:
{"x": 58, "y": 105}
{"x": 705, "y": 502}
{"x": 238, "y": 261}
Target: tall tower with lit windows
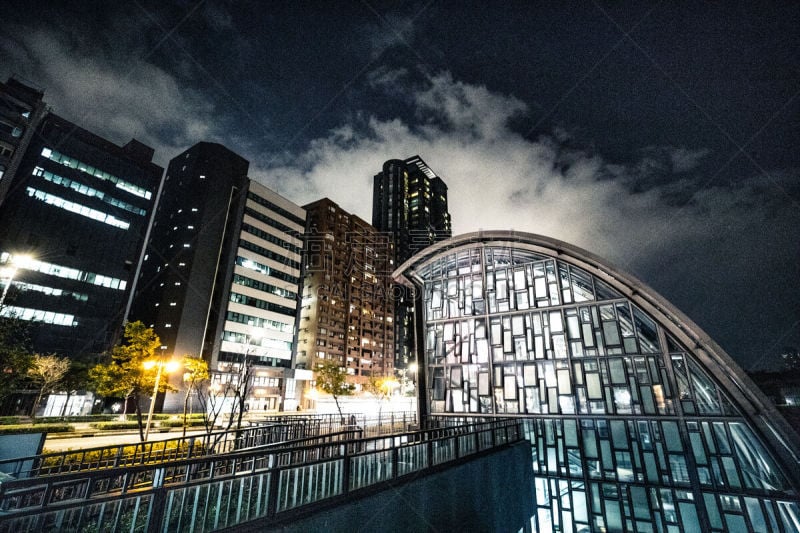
{"x": 409, "y": 203}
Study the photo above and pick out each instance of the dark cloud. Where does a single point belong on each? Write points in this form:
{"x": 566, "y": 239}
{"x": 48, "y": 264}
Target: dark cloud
{"x": 669, "y": 151}
{"x": 720, "y": 240}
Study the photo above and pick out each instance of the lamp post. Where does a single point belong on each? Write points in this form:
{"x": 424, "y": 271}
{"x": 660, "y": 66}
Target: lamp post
{"x": 17, "y": 262}
{"x": 169, "y": 366}
{"x": 413, "y": 369}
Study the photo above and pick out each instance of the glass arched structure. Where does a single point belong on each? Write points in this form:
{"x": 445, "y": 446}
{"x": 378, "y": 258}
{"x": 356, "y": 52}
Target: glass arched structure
{"x": 637, "y": 420}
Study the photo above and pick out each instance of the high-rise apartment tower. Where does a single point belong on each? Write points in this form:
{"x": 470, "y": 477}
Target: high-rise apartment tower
{"x": 347, "y": 308}
{"x": 409, "y": 203}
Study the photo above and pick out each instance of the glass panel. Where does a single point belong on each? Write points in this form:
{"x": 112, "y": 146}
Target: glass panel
{"x": 617, "y": 370}
{"x": 756, "y": 466}
{"x": 611, "y": 333}
{"x": 705, "y": 391}
{"x": 593, "y": 389}
{"x": 689, "y": 517}
{"x": 581, "y": 285}
{"x": 604, "y": 291}
{"x": 756, "y": 516}
{"x": 713, "y": 511}
{"x": 646, "y": 330}
{"x": 509, "y": 388}
{"x": 564, "y": 384}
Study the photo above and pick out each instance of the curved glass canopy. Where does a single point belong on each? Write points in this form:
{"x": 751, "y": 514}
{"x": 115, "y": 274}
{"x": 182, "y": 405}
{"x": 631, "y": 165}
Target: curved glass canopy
{"x": 637, "y": 420}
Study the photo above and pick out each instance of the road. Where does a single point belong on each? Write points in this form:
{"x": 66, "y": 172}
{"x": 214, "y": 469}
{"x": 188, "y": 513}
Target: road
{"x": 80, "y": 443}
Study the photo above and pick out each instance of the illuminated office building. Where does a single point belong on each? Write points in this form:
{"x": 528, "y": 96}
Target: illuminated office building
{"x": 72, "y": 225}
{"x": 637, "y": 420}
{"x": 409, "y": 203}
{"x": 221, "y": 273}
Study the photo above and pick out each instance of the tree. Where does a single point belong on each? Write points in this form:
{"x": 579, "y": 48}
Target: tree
{"x": 381, "y": 389}
{"x": 125, "y": 374}
{"x": 332, "y": 379}
{"x": 194, "y": 376}
{"x": 214, "y": 399}
{"x": 46, "y": 371}
{"x": 76, "y": 378}
{"x": 15, "y": 357}
{"x": 244, "y": 382}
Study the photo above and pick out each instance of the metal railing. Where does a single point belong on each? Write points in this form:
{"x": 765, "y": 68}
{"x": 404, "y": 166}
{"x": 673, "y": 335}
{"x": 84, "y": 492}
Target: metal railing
{"x": 132, "y": 454}
{"x": 372, "y": 424}
{"x": 212, "y": 492}
{"x": 258, "y": 432}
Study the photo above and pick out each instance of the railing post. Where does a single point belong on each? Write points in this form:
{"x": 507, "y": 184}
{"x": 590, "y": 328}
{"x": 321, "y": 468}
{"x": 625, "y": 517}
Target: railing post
{"x": 274, "y": 478}
{"x": 156, "y": 514}
{"x": 346, "y": 466}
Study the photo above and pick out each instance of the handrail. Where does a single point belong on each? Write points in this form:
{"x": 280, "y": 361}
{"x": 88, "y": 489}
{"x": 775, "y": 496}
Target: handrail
{"x": 243, "y": 485}
{"x": 121, "y": 455}
{"x": 266, "y": 430}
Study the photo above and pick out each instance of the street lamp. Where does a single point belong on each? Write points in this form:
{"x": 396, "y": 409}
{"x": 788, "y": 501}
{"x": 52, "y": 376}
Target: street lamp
{"x": 17, "y": 262}
{"x": 413, "y": 369}
{"x": 168, "y": 366}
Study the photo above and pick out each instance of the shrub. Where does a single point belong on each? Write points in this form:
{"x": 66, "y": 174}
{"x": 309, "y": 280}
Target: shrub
{"x": 172, "y": 448}
{"x": 115, "y": 425}
{"x": 191, "y": 422}
{"x": 83, "y": 418}
{"x": 39, "y": 428}
{"x": 6, "y": 420}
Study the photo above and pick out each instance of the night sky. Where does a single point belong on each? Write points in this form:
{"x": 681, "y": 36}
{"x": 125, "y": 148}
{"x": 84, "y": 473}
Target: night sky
{"x": 662, "y": 138}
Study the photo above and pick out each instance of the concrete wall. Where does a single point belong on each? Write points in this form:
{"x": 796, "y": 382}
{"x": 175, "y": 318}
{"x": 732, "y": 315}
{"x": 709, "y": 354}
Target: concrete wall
{"x": 491, "y": 493}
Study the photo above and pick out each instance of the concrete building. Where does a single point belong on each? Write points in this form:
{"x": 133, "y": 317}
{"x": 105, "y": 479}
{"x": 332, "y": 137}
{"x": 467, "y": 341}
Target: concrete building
{"x": 221, "y": 273}
{"x": 637, "y": 420}
{"x": 347, "y": 311}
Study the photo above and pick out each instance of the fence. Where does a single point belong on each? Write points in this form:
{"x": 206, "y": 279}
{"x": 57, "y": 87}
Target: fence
{"x": 127, "y": 455}
{"x": 212, "y": 492}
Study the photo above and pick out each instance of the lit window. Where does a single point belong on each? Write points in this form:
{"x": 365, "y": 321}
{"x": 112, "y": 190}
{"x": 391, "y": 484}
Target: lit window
{"x": 194, "y": 210}
{"x": 79, "y": 209}
{"x": 172, "y": 304}
{"x": 97, "y": 173}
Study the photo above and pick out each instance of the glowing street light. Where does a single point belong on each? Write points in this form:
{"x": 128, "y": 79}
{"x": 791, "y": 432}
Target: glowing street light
{"x": 165, "y": 366}
{"x": 17, "y": 262}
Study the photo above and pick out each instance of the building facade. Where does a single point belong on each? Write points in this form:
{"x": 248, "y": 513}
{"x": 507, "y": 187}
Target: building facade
{"x": 72, "y": 226}
{"x": 21, "y": 110}
{"x": 637, "y": 420}
{"x": 347, "y": 311}
{"x": 409, "y": 204}
{"x": 221, "y": 272}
